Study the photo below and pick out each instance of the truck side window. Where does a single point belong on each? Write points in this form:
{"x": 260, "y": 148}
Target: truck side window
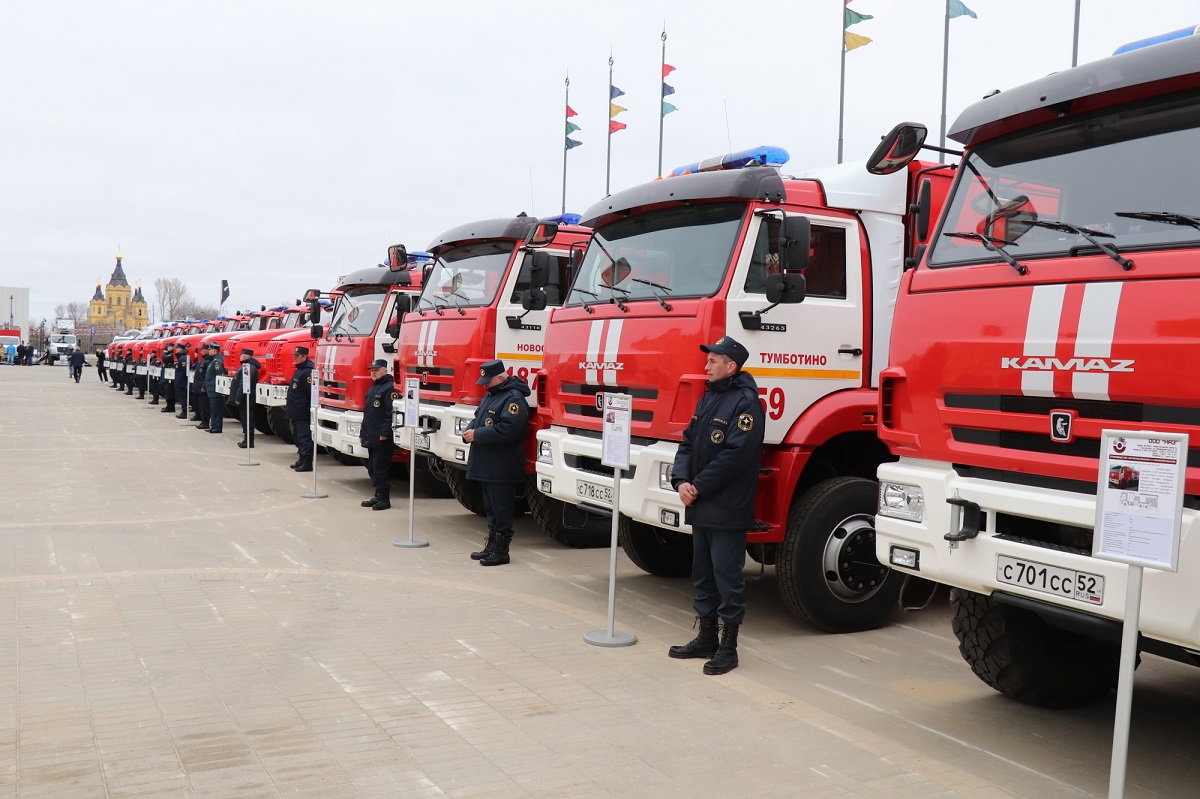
{"x": 825, "y": 274}
{"x": 560, "y": 279}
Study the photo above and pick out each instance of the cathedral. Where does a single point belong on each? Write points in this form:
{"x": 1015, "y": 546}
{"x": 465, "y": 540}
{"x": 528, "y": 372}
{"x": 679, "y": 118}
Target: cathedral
{"x": 117, "y": 306}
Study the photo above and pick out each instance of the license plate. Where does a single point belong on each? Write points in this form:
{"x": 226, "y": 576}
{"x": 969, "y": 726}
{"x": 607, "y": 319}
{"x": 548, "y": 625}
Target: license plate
{"x": 593, "y": 493}
{"x": 1066, "y": 583}
{"x": 421, "y": 440}
{"x": 326, "y": 438}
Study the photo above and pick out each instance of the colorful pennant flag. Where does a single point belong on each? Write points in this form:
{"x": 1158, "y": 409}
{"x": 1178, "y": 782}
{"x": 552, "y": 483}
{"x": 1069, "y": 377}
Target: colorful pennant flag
{"x": 614, "y": 92}
{"x": 955, "y": 8}
{"x": 854, "y": 41}
{"x": 571, "y": 143}
{"x": 668, "y": 89}
{"x": 614, "y": 126}
{"x": 853, "y": 17}
{"x": 571, "y": 112}
{"x": 572, "y": 127}
{"x": 614, "y": 109}
{"x": 668, "y": 108}
{"x": 667, "y": 69}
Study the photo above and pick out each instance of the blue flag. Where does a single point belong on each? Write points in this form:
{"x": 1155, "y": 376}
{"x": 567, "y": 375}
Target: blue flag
{"x": 614, "y": 92}
{"x": 668, "y": 89}
{"x": 571, "y": 143}
{"x": 955, "y": 8}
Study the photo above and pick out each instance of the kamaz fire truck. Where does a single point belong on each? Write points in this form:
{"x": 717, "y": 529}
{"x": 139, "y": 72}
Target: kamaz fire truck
{"x": 363, "y": 326}
{"x": 1055, "y": 300}
{"x": 488, "y": 296}
{"x": 278, "y": 366}
{"x": 803, "y": 272}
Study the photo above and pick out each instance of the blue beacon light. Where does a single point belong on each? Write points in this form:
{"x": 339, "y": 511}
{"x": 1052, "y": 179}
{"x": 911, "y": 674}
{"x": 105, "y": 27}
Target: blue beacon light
{"x": 1182, "y": 33}
{"x": 756, "y": 156}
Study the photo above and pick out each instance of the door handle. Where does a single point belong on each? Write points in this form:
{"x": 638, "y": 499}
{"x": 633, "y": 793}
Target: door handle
{"x": 850, "y": 351}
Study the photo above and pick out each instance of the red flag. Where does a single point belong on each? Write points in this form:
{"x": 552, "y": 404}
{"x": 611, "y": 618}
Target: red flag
{"x": 614, "y": 126}
{"x": 571, "y": 112}
{"x": 667, "y": 69}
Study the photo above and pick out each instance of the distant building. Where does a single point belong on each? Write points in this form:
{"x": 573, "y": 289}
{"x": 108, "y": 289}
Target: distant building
{"x": 118, "y": 308}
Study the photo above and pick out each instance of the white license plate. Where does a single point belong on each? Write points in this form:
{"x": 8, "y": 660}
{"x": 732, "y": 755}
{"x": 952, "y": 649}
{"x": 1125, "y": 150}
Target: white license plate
{"x": 1065, "y": 583}
{"x": 421, "y": 440}
{"x": 593, "y": 493}
{"x": 326, "y": 438}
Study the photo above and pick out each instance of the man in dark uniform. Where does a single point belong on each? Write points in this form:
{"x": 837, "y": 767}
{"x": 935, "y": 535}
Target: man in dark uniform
{"x": 214, "y": 368}
{"x": 130, "y": 369}
{"x": 716, "y": 475}
{"x": 101, "y": 372}
{"x": 497, "y": 457}
{"x": 181, "y": 379}
{"x": 298, "y": 410}
{"x": 166, "y": 379}
{"x": 77, "y": 361}
{"x": 242, "y": 400}
{"x": 154, "y": 367}
{"x": 199, "y": 397}
{"x": 376, "y": 433}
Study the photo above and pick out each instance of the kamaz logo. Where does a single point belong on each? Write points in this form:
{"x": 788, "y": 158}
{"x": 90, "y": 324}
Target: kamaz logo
{"x": 1068, "y": 364}
{"x": 602, "y": 365}
{"x": 426, "y": 353}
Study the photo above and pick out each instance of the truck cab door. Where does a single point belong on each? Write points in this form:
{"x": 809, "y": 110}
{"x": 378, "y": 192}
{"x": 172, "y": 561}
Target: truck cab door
{"x": 520, "y": 333}
{"x": 801, "y": 352}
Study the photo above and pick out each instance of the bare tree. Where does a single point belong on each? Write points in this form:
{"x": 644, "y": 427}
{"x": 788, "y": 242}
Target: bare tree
{"x": 77, "y": 312}
{"x": 194, "y": 310}
{"x": 171, "y": 298}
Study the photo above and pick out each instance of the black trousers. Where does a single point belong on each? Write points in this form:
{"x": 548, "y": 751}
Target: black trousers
{"x": 379, "y": 463}
{"x": 718, "y": 558}
{"x": 241, "y": 415}
{"x": 500, "y": 500}
{"x": 302, "y": 434}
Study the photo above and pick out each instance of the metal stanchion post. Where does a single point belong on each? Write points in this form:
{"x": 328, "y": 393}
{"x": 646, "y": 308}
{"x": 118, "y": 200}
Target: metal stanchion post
{"x": 187, "y": 387}
{"x": 314, "y": 494}
{"x": 412, "y": 406}
{"x": 247, "y": 390}
{"x": 611, "y": 636}
{"x": 615, "y": 435}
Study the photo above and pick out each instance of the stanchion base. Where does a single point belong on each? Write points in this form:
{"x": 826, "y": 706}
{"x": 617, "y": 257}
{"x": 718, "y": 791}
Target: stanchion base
{"x": 312, "y": 495}
{"x": 247, "y": 463}
{"x": 405, "y": 543}
{"x": 602, "y": 638}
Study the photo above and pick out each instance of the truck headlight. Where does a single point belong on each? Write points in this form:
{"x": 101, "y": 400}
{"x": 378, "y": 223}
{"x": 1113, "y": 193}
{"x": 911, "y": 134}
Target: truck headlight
{"x": 664, "y": 476}
{"x": 545, "y": 452}
{"x": 460, "y": 426}
{"x": 352, "y": 429}
{"x": 901, "y": 501}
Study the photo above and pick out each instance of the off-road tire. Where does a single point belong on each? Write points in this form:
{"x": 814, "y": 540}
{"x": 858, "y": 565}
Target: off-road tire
{"x": 654, "y": 550}
{"x": 468, "y": 492}
{"x": 281, "y": 426}
{"x": 431, "y": 477}
{"x": 569, "y": 525}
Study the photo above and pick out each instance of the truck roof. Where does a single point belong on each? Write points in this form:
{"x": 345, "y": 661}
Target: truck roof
{"x": 514, "y": 228}
{"x": 752, "y": 183}
{"x": 1094, "y": 85}
{"x": 376, "y": 276}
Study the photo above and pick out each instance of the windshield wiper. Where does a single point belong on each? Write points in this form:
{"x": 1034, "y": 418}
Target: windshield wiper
{"x": 1166, "y": 217}
{"x": 587, "y": 307}
{"x": 1090, "y": 235}
{"x": 616, "y": 301}
{"x": 993, "y": 245}
{"x": 457, "y": 305}
{"x": 654, "y": 285}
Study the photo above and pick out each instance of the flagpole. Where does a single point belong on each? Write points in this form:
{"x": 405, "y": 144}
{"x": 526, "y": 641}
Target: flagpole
{"x": 662, "y": 98}
{"x": 945, "y": 77}
{"x": 1075, "y": 41}
{"x": 566, "y": 112}
{"x": 842, "y": 97}
{"x": 608, "y": 140}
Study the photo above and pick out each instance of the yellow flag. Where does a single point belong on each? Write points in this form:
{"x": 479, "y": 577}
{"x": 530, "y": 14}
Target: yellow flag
{"x": 614, "y": 109}
{"x": 853, "y": 40}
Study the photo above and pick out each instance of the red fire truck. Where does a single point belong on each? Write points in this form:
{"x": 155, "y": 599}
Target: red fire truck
{"x": 1052, "y": 303}
{"x": 680, "y": 262}
{"x": 278, "y": 366}
{"x": 488, "y": 296}
{"x": 363, "y": 326}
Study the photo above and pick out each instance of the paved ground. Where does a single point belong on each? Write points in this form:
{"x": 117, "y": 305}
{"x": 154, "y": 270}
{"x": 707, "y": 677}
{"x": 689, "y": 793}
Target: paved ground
{"x": 173, "y": 624}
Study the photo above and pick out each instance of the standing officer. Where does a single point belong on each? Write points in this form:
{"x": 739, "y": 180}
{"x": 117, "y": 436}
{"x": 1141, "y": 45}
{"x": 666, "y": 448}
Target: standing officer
{"x": 101, "y": 372}
{"x": 376, "y": 433}
{"x": 238, "y": 396}
{"x": 77, "y": 362}
{"x": 214, "y": 368}
{"x": 497, "y": 458}
{"x": 155, "y": 369}
{"x": 130, "y": 372}
{"x": 166, "y": 379}
{"x": 716, "y": 475}
{"x": 298, "y": 408}
{"x": 181, "y": 379}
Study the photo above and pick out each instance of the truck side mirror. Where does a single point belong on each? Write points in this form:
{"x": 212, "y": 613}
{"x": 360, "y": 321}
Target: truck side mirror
{"x": 574, "y": 259}
{"x": 542, "y": 234}
{"x": 785, "y": 289}
{"x": 533, "y": 300}
{"x": 404, "y": 304}
{"x": 397, "y": 258}
{"x": 795, "y": 243}
{"x": 540, "y": 266}
{"x": 316, "y": 331}
{"x": 921, "y": 209}
{"x": 898, "y": 148}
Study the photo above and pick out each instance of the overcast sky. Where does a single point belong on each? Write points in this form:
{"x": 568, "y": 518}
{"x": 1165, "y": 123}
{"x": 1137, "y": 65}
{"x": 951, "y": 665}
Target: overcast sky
{"x": 281, "y": 144}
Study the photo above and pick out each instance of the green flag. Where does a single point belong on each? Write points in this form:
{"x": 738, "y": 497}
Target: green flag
{"x": 853, "y": 18}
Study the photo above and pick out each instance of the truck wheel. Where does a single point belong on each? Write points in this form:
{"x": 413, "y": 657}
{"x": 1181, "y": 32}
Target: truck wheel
{"x": 467, "y": 492}
{"x": 344, "y": 459}
{"x": 432, "y": 477}
{"x": 1015, "y": 652}
{"x": 261, "y": 423}
{"x": 826, "y": 565}
{"x": 570, "y": 525}
{"x": 281, "y": 426}
{"x": 663, "y": 553}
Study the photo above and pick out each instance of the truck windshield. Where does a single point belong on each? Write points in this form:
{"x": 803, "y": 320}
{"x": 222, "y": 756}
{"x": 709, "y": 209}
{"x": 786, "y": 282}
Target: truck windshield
{"x": 357, "y": 311}
{"x": 675, "y": 252}
{"x": 467, "y": 276}
{"x": 61, "y": 338}
{"x": 1116, "y": 179}
{"x": 291, "y": 319}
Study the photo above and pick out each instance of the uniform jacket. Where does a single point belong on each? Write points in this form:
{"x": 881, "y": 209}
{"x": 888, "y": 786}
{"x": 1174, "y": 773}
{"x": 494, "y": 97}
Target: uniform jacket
{"x": 376, "y": 430}
{"x": 720, "y": 454}
{"x": 498, "y": 451}
{"x": 299, "y": 393}
{"x": 77, "y": 359}
{"x": 213, "y": 368}
{"x": 199, "y": 367}
{"x": 236, "y": 395}
{"x": 181, "y": 370}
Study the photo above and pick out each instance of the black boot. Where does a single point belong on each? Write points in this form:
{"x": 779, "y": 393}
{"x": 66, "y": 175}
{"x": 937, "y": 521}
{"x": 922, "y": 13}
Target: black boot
{"x": 154, "y": 401}
{"x": 370, "y": 503}
{"x": 499, "y": 553}
{"x": 305, "y": 466}
{"x": 384, "y": 500}
{"x": 726, "y": 658}
{"x": 704, "y": 645}
{"x": 488, "y": 548}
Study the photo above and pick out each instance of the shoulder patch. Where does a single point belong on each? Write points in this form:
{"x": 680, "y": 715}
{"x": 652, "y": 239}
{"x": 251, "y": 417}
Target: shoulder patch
{"x": 513, "y": 409}
{"x": 746, "y": 422}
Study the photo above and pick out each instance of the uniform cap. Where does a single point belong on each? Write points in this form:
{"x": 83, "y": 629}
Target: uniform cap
{"x": 301, "y": 351}
{"x": 729, "y": 348}
{"x": 488, "y": 371}
{"x": 247, "y": 351}
{"x": 378, "y": 363}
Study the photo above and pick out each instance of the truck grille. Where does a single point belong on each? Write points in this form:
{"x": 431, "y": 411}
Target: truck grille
{"x": 579, "y": 399}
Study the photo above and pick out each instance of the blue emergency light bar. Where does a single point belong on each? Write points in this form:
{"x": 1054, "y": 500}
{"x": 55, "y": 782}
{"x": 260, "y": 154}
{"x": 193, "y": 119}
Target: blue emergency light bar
{"x": 756, "y": 156}
{"x": 1182, "y": 33}
{"x": 419, "y": 257}
{"x": 563, "y": 219}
